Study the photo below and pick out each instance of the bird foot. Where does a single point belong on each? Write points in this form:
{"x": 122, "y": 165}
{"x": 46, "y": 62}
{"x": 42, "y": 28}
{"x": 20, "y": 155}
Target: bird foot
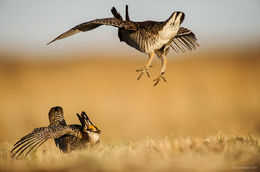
{"x": 159, "y": 78}
{"x": 143, "y": 70}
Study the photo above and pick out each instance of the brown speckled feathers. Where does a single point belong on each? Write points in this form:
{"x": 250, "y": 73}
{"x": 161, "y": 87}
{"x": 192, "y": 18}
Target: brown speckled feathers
{"x": 67, "y": 137}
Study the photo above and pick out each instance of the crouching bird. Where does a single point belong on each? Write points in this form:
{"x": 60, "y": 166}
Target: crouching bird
{"x": 66, "y": 137}
{"x": 149, "y": 37}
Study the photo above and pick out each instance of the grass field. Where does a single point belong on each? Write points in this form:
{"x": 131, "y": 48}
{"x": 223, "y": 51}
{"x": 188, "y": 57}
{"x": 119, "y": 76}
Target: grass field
{"x": 206, "y": 118}
{"x": 216, "y": 153}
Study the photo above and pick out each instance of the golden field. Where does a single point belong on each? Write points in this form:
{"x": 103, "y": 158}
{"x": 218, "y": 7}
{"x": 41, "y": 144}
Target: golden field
{"x": 205, "y": 118}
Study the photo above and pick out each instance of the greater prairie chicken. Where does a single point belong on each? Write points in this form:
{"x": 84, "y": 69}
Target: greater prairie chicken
{"x": 67, "y": 137}
{"x": 149, "y": 37}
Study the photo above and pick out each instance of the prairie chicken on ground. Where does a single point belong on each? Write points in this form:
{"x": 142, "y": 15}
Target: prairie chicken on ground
{"x": 149, "y": 37}
{"x": 67, "y": 137}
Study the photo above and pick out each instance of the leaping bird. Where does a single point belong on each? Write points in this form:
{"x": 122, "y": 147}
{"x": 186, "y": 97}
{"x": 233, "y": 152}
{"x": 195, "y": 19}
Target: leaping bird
{"x": 66, "y": 137}
{"x": 149, "y": 37}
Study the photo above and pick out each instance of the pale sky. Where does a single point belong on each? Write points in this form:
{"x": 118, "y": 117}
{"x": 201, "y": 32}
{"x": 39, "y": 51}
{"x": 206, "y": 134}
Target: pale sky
{"x": 27, "y": 25}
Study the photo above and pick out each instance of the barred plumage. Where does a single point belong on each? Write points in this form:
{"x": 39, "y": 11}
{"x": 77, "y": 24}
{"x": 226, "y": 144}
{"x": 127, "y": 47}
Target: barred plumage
{"x": 149, "y": 37}
{"x": 67, "y": 137}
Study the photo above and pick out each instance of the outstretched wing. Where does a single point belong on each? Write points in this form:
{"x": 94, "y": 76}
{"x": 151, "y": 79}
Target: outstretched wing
{"x": 184, "y": 39}
{"x": 91, "y": 25}
{"x": 38, "y": 137}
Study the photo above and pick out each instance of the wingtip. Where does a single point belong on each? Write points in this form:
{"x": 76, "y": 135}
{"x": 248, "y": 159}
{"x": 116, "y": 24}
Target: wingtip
{"x": 50, "y": 42}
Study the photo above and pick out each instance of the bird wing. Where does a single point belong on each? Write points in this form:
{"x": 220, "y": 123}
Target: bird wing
{"x": 83, "y": 27}
{"x": 184, "y": 39}
{"x": 38, "y": 137}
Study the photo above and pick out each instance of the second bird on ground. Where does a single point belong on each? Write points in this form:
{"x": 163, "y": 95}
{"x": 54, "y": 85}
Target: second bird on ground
{"x": 67, "y": 137}
{"x": 149, "y": 37}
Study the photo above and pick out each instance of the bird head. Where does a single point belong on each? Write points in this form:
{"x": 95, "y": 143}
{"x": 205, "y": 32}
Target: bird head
{"x": 90, "y": 126}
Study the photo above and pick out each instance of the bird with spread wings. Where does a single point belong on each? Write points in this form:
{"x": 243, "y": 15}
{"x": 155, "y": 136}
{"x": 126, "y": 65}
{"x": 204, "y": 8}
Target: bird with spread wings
{"x": 66, "y": 137}
{"x": 149, "y": 37}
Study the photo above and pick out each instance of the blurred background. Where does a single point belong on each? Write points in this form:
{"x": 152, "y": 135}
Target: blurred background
{"x": 213, "y": 89}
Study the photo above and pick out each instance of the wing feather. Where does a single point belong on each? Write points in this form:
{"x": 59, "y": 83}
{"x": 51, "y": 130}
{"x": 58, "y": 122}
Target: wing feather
{"x": 83, "y": 27}
{"x": 39, "y": 136}
{"x": 26, "y": 147}
{"x": 175, "y": 48}
{"x": 189, "y": 42}
{"x": 185, "y": 38}
{"x": 184, "y": 43}
{"x": 38, "y": 143}
{"x": 178, "y": 45}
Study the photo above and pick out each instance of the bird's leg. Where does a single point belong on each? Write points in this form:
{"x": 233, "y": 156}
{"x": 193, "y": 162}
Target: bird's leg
{"x": 158, "y": 79}
{"x": 146, "y": 66}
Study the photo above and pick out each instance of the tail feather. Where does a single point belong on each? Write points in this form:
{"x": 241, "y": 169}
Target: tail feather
{"x": 172, "y": 25}
{"x": 175, "y": 19}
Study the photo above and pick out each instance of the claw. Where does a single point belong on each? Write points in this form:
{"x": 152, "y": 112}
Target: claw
{"x": 147, "y": 73}
{"x": 143, "y": 70}
{"x": 158, "y": 79}
{"x": 164, "y": 79}
{"x": 141, "y": 74}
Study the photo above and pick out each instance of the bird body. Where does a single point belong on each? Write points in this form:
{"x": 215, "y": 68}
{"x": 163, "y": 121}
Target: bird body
{"x": 66, "y": 137}
{"x": 141, "y": 39}
{"x": 149, "y": 37}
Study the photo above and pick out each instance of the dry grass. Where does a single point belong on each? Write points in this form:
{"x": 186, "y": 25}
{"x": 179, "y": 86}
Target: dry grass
{"x": 216, "y": 153}
{"x": 206, "y": 93}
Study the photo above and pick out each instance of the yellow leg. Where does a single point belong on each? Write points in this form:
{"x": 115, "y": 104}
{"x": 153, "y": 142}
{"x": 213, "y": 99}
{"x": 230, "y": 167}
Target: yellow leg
{"x": 164, "y": 62}
{"x": 145, "y": 68}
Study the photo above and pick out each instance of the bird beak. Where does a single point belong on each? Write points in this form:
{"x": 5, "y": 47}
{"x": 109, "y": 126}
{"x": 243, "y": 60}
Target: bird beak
{"x": 98, "y": 131}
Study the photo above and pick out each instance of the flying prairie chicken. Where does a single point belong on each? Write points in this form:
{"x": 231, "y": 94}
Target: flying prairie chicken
{"x": 66, "y": 137}
{"x": 149, "y": 37}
